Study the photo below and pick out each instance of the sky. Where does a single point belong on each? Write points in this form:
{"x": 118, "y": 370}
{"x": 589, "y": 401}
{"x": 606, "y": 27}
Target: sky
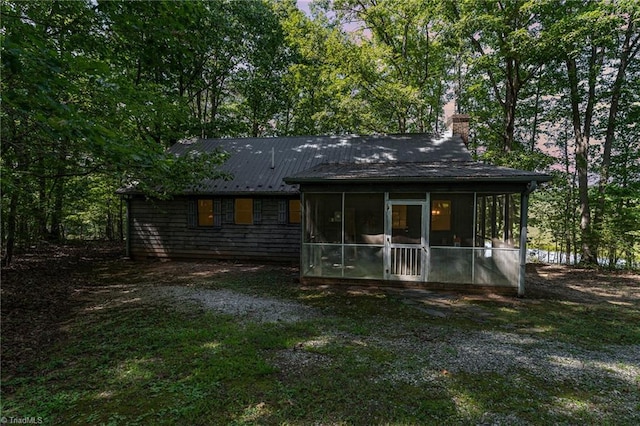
{"x": 304, "y": 5}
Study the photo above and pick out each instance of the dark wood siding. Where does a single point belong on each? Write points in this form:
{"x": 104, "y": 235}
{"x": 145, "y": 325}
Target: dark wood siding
{"x": 161, "y": 229}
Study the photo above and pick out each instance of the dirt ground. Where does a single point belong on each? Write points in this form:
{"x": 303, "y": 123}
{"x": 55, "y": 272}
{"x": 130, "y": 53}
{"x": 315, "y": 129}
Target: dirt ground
{"x": 44, "y": 289}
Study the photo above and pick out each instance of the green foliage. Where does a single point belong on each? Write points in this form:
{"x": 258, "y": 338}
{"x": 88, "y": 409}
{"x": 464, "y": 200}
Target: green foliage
{"x": 94, "y": 92}
{"x": 92, "y": 96}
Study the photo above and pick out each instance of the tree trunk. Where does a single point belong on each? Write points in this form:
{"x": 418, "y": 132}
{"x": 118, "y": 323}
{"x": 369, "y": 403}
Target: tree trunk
{"x": 629, "y": 50}
{"x": 568, "y": 216}
{"x": 56, "y": 214}
{"x": 11, "y": 229}
{"x": 582, "y": 164}
{"x": 510, "y": 102}
{"x": 534, "y": 130}
{"x": 402, "y": 123}
{"x": 41, "y": 214}
{"x": 255, "y": 125}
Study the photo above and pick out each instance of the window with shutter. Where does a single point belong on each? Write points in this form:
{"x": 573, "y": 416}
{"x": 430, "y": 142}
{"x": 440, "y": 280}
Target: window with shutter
{"x": 205, "y": 212}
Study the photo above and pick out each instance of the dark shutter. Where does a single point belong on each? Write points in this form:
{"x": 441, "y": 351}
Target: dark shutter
{"x": 217, "y": 212}
{"x": 228, "y": 210}
{"x": 257, "y": 211}
{"x": 282, "y": 211}
{"x": 192, "y": 213}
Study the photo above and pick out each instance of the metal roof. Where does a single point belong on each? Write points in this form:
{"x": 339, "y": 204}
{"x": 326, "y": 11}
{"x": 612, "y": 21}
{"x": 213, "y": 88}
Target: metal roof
{"x": 446, "y": 171}
{"x": 277, "y": 165}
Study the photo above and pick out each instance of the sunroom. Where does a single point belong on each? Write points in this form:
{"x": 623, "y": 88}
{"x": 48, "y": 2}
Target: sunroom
{"x": 460, "y": 225}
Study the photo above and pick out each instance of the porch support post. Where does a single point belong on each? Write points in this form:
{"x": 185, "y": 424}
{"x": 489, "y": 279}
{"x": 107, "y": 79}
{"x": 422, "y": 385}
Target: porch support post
{"x": 473, "y": 240}
{"x": 303, "y": 227}
{"x": 386, "y": 258}
{"x": 524, "y": 208}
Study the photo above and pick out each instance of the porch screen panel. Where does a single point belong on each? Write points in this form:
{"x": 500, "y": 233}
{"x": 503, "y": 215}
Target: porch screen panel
{"x": 364, "y": 236}
{"x": 498, "y": 220}
{"x": 322, "y": 260}
{"x": 322, "y": 249}
{"x": 514, "y": 219}
{"x": 451, "y": 265}
{"x": 323, "y": 218}
{"x": 451, "y": 238}
{"x": 497, "y": 267}
{"x": 452, "y": 220}
{"x": 496, "y": 257}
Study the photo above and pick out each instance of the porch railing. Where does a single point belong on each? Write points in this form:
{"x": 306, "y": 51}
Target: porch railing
{"x": 461, "y": 265}
{"x": 406, "y": 261}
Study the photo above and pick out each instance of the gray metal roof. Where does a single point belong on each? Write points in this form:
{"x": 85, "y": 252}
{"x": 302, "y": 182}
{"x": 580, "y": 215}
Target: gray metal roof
{"x": 277, "y": 165}
{"x": 446, "y": 171}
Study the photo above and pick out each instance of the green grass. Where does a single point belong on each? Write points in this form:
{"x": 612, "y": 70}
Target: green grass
{"x": 594, "y": 325}
{"x": 153, "y": 364}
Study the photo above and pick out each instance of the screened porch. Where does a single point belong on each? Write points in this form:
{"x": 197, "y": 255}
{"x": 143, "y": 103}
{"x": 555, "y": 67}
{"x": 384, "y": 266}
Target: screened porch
{"x": 440, "y": 237}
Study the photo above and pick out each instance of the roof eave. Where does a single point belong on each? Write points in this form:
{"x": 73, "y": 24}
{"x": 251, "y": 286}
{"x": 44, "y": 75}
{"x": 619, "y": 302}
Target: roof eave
{"x": 418, "y": 179}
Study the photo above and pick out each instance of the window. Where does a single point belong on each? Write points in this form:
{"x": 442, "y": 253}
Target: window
{"x": 289, "y": 211}
{"x": 243, "y": 211}
{"x": 441, "y": 215}
{"x": 399, "y": 217}
{"x": 205, "y": 212}
{"x": 294, "y": 211}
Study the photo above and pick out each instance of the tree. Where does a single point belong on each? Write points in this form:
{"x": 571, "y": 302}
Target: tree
{"x": 94, "y": 93}
{"x": 402, "y": 69}
{"x": 586, "y": 35}
{"x": 259, "y": 82}
{"x": 505, "y": 52}
{"x": 322, "y": 96}
{"x": 625, "y": 53}
{"x": 67, "y": 113}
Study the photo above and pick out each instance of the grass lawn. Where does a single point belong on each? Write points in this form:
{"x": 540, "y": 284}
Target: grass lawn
{"x": 125, "y": 356}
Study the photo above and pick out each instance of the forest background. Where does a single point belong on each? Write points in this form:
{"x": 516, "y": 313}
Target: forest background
{"x": 93, "y": 92}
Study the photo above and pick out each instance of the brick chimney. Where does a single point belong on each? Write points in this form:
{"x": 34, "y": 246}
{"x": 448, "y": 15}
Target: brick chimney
{"x": 460, "y": 127}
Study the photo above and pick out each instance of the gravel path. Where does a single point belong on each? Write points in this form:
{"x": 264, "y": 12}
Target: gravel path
{"x": 469, "y": 352}
{"x": 250, "y": 308}
{"x": 504, "y": 353}
{"x": 427, "y": 357}
{"x": 418, "y": 361}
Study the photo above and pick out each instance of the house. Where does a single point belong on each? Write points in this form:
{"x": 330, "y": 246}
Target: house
{"x": 401, "y": 209}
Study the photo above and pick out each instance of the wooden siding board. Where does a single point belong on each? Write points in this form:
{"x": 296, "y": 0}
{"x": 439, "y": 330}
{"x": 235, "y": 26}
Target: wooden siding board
{"x": 160, "y": 229}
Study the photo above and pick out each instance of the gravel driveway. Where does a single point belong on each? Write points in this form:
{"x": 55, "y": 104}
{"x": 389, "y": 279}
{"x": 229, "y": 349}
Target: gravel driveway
{"x": 428, "y": 356}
